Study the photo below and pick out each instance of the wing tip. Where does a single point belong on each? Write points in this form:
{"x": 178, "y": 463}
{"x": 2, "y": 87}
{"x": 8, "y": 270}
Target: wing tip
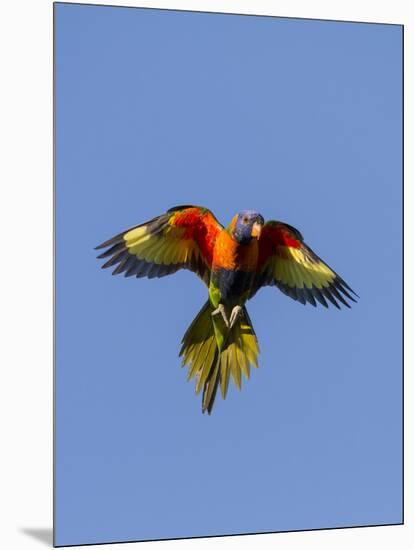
{"x": 104, "y": 244}
{"x": 346, "y": 285}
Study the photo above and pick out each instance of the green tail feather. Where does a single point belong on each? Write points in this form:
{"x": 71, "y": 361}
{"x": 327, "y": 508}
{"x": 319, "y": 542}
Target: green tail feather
{"x": 211, "y": 366}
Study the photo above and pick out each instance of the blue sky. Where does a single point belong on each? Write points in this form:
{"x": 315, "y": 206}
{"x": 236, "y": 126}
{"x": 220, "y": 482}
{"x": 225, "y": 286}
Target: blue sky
{"x": 300, "y": 120}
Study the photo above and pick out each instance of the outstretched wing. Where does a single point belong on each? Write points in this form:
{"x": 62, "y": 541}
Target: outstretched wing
{"x": 288, "y": 263}
{"x": 182, "y": 238}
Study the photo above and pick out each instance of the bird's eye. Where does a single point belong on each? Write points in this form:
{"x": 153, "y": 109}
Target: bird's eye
{"x": 245, "y": 219}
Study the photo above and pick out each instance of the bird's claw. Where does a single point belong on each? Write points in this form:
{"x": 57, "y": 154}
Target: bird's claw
{"x": 221, "y": 309}
{"x": 235, "y": 314}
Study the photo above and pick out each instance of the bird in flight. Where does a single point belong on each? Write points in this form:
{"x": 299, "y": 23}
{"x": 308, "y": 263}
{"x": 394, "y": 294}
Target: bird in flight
{"x": 234, "y": 263}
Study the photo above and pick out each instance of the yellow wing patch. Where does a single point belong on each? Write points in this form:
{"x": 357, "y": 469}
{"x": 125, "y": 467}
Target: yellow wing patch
{"x": 167, "y": 248}
{"x": 294, "y": 268}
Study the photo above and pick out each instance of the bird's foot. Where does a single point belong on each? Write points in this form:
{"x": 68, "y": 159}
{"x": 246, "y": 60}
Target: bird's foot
{"x": 235, "y": 314}
{"x": 221, "y": 309}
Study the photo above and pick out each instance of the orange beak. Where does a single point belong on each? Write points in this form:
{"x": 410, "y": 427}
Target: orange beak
{"x": 257, "y": 230}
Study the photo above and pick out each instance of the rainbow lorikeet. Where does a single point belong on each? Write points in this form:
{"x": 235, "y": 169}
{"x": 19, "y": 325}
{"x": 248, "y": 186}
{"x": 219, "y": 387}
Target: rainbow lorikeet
{"x": 234, "y": 263}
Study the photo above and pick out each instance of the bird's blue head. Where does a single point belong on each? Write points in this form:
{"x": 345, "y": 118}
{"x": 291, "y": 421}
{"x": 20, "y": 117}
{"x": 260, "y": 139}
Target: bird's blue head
{"x": 246, "y": 225}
